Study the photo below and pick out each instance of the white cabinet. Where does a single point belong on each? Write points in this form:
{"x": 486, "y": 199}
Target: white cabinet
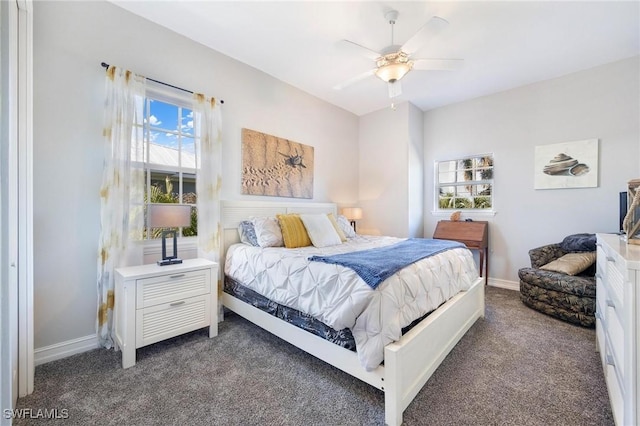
{"x": 153, "y": 303}
{"x": 618, "y": 323}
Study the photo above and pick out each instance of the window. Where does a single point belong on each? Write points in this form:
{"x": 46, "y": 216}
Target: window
{"x": 466, "y": 183}
{"x": 169, "y": 157}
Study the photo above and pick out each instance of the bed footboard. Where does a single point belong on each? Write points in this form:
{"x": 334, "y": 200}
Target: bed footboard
{"x": 410, "y": 362}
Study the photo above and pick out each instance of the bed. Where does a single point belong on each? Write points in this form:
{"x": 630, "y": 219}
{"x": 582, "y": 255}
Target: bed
{"x": 408, "y": 362}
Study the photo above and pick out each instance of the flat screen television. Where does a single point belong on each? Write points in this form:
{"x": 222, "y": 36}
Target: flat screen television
{"x": 623, "y": 208}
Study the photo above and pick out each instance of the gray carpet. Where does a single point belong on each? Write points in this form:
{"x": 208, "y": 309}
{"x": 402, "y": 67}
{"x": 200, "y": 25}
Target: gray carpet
{"x": 514, "y": 367}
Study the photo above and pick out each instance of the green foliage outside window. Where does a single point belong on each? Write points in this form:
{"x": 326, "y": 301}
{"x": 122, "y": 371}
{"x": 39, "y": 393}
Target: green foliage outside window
{"x": 465, "y": 183}
{"x": 157, "y": 194}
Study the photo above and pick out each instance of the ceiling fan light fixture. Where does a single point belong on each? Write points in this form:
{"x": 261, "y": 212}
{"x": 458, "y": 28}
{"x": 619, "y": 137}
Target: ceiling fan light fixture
{"x": 393, "y": 72}
{"x": 393, "y": 67}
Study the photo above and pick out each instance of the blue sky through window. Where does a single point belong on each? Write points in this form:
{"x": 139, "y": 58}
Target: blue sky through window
{"x": 167, "y": 121}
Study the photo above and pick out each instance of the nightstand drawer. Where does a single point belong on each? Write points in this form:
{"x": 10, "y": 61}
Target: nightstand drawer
{"x": 161, "y": 322}
{"x": 167, "y": 288}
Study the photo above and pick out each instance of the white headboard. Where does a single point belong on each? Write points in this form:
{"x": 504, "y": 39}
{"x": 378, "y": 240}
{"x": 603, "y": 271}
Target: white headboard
{"x": 234, "y": 212}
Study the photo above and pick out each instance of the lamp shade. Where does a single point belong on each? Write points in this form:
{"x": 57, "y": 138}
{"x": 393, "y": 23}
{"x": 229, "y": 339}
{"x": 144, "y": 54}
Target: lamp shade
{"x": 352, "y": 213}
{"x": 169, "y": 215}
{"x": 393, "y": 72}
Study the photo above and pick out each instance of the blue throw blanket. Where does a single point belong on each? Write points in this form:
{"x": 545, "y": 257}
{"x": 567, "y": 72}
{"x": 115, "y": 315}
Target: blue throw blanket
{"x": 378, "y": 264}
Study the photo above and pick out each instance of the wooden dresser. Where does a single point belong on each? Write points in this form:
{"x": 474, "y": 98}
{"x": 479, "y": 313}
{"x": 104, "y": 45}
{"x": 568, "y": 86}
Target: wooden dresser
{"x": 472, "y": 234}
{"x": 618, "y": 323}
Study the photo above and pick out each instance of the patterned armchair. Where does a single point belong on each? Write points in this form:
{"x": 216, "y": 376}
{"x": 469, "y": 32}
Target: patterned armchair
{"x": 571, "y": 298}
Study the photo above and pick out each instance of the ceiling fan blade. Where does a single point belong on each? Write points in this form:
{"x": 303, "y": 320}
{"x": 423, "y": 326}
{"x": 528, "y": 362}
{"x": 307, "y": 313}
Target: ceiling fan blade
{"x": 358, "y": 49}
{"x": 428, "y": 30}
{"x": 437, "y": 64}
{"x": 353, "y": 80}
{"x": 395, "y": 89}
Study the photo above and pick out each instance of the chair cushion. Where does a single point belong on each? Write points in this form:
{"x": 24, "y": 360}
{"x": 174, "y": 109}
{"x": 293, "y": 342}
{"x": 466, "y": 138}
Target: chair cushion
{"x": 571, "y": 263}
{"x": 578, "y": 285}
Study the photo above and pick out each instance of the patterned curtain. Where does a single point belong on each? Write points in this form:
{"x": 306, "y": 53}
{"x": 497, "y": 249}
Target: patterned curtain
{"x": 207, "y": 123}
{"x": 122, "y": 191}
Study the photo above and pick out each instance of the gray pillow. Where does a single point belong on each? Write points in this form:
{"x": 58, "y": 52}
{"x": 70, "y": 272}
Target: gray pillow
{"x": 247, "y": 233}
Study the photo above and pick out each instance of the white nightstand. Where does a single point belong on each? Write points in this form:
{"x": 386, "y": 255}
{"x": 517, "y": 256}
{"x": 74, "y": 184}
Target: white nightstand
{"x": 154, "y": 303}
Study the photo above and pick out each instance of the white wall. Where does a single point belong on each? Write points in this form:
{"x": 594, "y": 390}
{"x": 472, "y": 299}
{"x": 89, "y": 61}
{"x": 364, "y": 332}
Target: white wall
{"x": 601, "y": 103}
{"x": 391, "y": 172}
{"x": 71, "y": 40}
{"x": 415, "y": 172}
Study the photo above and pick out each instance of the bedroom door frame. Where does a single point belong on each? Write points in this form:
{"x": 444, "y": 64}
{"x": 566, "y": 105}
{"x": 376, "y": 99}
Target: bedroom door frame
{"x": 16, "y": 241}
{"x": 24, "y": 208}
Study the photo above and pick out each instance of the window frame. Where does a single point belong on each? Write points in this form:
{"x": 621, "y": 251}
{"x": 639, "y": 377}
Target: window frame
{"x": 437, "y": 185}
{"x": 182, "y": 100}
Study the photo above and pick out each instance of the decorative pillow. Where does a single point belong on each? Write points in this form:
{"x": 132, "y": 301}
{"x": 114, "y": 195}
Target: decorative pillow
{"x": 320, "y": 230}
{"x": 247, "y": 233}
{"x": 571, "y": 263}
{"x": 345, "y": 226}
{"x": 294, "y": 233}
{"x": 332, "y": 218}
{"x": 268, "y": 233}
{"x": 579, "y": 242}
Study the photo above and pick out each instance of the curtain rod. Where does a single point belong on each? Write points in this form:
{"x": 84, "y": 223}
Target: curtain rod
{"x": 106, "y": 66}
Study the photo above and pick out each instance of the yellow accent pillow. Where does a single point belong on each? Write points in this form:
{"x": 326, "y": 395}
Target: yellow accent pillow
{"x": 334, "y": 222}
{"x": 571, "y": 263}
{"x": 293, "y": 231}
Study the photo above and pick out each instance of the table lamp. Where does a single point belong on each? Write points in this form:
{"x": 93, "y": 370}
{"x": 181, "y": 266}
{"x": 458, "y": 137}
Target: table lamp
{"x": 169, "y": 216}
{"x": 352, "y": 214}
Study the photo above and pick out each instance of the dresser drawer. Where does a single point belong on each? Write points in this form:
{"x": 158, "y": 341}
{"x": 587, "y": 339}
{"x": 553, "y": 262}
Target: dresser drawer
{"x": 615, "y": 336}
{"x": 161, "y": 322}
{"x": 602, "y": 296}
{"x": 601, "y": 261}
{"x": 616, "y": 396}
{"x": 615, "y": 282}
{"x": 167, "y": 288}
{"x": 611, "y": 268}
{"x": 600, "y": 340}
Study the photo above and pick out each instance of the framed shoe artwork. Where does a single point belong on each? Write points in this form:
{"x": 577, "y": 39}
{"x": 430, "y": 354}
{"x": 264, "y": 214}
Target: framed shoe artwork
{"x": 566, "y": 165}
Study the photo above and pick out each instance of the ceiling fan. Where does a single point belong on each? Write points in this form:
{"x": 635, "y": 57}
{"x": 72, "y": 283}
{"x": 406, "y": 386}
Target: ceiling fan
{"x": 394, "y": 61}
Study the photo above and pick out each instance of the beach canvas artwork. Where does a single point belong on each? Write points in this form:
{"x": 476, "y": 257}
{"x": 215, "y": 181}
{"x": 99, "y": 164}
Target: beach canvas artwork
{"x": 275, "y": 166}
{"x": 566, "y": 165}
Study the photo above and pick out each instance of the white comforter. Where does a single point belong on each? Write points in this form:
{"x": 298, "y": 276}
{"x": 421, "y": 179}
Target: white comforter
{"x": 338, "y": 297}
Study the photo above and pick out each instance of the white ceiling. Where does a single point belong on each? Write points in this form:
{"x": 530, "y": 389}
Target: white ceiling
{"x": 504, "y": 44}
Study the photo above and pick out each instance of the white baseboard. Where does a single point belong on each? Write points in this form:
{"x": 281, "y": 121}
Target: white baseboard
{"x": 509, "y": 285}
{"x": 65, "y": 349}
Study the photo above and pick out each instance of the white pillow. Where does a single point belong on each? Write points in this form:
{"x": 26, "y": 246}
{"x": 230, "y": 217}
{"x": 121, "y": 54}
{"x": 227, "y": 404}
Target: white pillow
{"x": 320, "y": 229}
{"x": 268, "y": 231}
{"x": 346, "y": 227}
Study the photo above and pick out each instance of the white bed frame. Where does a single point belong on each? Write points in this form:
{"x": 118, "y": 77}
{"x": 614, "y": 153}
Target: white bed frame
{"x": 408, "y": 363}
